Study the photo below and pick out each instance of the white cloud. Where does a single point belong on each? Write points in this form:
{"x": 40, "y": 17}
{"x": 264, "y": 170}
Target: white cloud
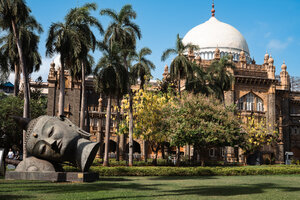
{"x": 279, "y": 45}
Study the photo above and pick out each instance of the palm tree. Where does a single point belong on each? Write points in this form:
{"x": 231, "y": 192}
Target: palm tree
{"x": 124, "y": 32}
{"x": 180, "y": 66}
{"x": 110, "y": 78}
{"x": 219, "y": 77}
{"x": 63, "y": 38}
{"x": 197, "y": 83}
{"x": 82, "y": 19}
{"x": 9, "y": 60}
{"x": 143, "y": 66}
{"x": 14, "y": 14}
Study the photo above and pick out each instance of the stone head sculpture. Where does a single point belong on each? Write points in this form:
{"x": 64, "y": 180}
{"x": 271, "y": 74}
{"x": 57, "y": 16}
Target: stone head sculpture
{"x": 57, "y": 139}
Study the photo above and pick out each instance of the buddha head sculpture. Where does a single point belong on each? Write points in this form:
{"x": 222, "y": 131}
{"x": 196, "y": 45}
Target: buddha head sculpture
{"x": 57, "y": 139}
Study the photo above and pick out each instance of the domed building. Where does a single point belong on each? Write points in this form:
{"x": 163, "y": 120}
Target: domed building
{"x": 214, "y": 34}
{"x": 256, "y": 91}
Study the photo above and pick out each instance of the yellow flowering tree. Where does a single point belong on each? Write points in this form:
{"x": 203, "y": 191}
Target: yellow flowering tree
{"x": 148, "y": 113}
{"x": 258, "y": 134}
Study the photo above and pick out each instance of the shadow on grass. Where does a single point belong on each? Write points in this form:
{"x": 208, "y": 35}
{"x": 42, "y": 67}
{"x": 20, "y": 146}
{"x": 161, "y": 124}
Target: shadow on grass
{"x": 232, "y": 190}
{"x": 105, "y": 184}
{"x": 13, "y": 197}
{"x": 207, "y": 191}
{"x": 114, "y": 179}
{"x": 169, "y": 178}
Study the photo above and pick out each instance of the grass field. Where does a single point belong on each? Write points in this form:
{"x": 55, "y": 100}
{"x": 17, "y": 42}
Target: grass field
{"x": 210, "y": 187}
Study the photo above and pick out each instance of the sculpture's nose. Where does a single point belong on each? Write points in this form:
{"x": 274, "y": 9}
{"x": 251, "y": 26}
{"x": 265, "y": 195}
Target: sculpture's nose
{"x": 50, "y": 141}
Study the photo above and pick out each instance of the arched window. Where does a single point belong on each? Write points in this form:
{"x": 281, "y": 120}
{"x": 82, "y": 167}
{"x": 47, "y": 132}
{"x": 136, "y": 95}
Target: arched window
{"x": 248, "y": 101}
{"x": 259, "y": 104}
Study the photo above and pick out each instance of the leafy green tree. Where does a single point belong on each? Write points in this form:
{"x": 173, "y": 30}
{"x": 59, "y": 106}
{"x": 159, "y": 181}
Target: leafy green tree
{"x": 110, "y": 77}
{"x": 143, "y": 66}
{"x": 82, "y": 19}
{"x": 13, "y": 15}
{"x": 204, "y": 123}
{"x": 13, "y": 106}
{"x": 180, "y": 67}
{"x": 124, "y": 32}
{"x": 220, "y": 77}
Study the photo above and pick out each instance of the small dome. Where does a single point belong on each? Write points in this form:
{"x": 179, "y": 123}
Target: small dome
{"x": 215, "y": 34}
{"x": 242, "y": 53}
{"x": 283, "y": 66}
{"x": 271, "y": 60}
{"x": 266, "y": 56}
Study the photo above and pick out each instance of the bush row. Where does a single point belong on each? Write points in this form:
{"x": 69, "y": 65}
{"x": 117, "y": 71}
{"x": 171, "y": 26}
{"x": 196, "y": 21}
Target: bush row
{"x": 195, "y": 171}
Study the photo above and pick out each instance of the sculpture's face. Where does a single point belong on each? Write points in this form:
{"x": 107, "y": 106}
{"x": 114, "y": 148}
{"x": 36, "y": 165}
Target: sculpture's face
{"x": 51, "y": 139}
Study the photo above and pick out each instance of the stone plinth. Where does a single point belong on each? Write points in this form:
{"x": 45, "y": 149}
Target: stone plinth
{"x": 53, "y": 176}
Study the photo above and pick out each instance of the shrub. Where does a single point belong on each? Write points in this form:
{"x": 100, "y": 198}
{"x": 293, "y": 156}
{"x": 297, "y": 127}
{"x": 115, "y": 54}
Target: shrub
{"x": 196, "y": 171}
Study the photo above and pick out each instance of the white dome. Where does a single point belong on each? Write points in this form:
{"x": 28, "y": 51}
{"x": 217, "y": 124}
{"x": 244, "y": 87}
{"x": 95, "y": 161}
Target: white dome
{"x": 212, "y": 34}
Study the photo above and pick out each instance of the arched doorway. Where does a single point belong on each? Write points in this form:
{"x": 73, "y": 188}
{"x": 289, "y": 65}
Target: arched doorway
{"x": 136, "y": 147}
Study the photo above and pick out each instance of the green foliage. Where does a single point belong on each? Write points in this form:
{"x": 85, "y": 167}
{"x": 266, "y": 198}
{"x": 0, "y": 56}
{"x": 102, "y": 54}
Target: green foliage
{"x": 196, "y": 171}
{"x": 13, "y": 106}
{"x": 203, "y": 122}
{"x": 220, "y": 77}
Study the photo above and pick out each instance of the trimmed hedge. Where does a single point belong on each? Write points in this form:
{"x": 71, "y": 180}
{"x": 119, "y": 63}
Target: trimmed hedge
{"x": 195, "y": 171}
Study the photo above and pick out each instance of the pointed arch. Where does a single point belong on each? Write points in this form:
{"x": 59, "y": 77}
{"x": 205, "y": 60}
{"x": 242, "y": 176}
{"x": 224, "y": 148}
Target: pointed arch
{"x": 251, "y": 102}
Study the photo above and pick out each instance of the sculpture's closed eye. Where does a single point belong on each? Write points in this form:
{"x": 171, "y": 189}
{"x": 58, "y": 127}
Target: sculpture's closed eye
{"x": 51, "y": 131}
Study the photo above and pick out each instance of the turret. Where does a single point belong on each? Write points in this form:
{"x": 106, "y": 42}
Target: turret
{"x": 51, "y": 71}
{"x": 217, "y": 54}
{"x": 243, "y": 57}
{"x": 271, "y": 68}
{"x": 166, "y": 72}
{"x": 284, "y": 77}
{"x": 266, "y": 58}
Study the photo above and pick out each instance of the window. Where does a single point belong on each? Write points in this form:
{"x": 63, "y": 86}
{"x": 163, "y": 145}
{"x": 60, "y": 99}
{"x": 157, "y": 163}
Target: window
{"x": 222, "y": 151}
{"x": 259, "y": 105}
{"x": 249, "y": 101}
{"x": 211, "y": 152}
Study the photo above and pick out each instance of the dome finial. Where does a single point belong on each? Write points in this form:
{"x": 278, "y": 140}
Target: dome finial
{"x": 213, "y": 9}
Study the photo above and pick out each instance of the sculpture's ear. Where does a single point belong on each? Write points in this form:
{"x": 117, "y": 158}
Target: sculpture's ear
{"x": 22, "y": 122}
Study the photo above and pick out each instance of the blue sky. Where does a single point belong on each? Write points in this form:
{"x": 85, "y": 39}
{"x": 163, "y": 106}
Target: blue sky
{"x": 268, "y": 25}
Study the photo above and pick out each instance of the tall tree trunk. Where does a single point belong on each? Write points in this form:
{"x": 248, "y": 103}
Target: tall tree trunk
{"x": 145, "y": 153}
{"x": 179, "y": 92}
{"x": 130, "y": 132}
{"x": 117, "y": 127}
{"x": 83, "y": 98}
{"x": 26, "y": 109}
{"x": 17, "y": 80}
{"x": 61, "y": 101}
{"x": 107, "y": 131}
{"x": 122, "y": 147}
{"x": 130, "y": 163}
{"x": 178, "y": 155}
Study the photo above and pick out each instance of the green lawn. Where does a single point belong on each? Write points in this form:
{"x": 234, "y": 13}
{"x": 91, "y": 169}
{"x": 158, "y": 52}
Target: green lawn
{"x": 210, "y": 187}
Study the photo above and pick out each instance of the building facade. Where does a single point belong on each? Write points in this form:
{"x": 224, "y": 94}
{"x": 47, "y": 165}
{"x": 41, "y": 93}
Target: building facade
{"x": 256, "y": 91}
